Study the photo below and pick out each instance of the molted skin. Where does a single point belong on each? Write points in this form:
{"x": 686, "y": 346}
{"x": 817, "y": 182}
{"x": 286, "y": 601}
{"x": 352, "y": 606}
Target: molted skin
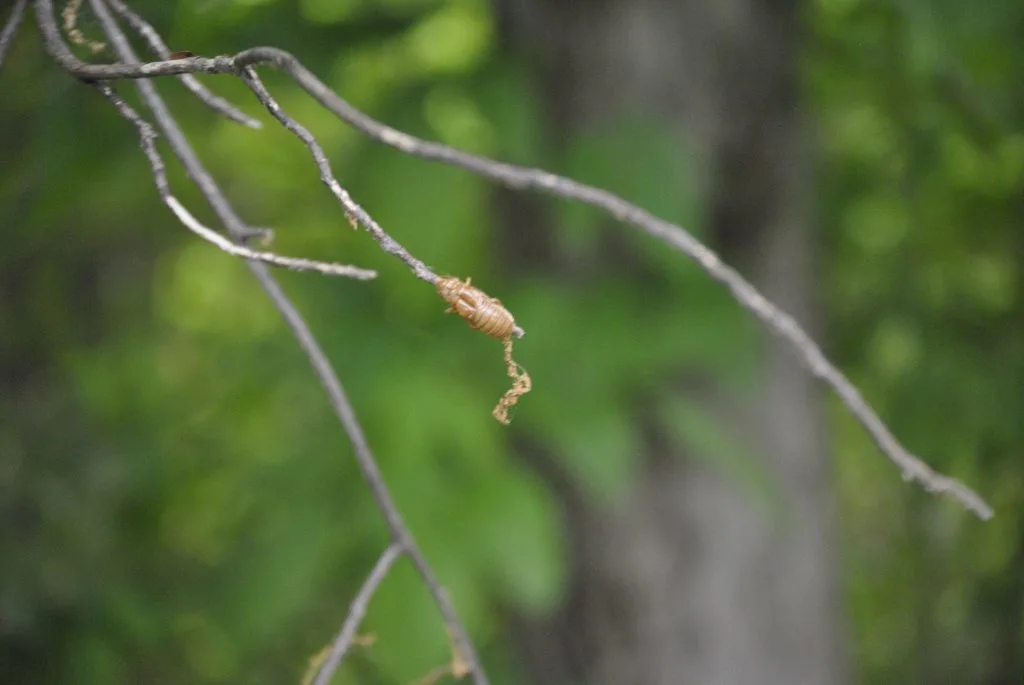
{"x": 483, "y": 313}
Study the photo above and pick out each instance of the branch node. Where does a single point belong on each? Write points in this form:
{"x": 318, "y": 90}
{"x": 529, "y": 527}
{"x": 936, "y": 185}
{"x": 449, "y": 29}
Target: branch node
{"x": 159, "y": 48}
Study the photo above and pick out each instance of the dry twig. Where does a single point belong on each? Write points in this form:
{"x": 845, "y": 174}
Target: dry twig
{"x": 337, "y": 398}
{"x": 160, "y": 49}
{"x": 356, "y": 613}
{"x": 777, "y": 321}
{"x": 147, "y": 137}
{"x": 352, "y": 209}
{"x": 516, "y": 177}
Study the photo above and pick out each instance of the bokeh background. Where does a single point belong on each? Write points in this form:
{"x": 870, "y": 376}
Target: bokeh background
{"x": 675, "y": 502}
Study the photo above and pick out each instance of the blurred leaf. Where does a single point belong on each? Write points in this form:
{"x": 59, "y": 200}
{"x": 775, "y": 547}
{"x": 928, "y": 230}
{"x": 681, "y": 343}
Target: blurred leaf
{"x": 454, "y": 38}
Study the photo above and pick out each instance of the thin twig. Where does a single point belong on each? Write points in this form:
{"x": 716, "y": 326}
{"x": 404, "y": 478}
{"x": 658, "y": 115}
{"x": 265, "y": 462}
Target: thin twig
{"x": 160, "y": 49}
{"x": 356, "y": 612}
{"x": 293, "y": 263}
{"x": 336, "y": 395}
{"x": 222, "y": 65}
{"x": 11, "y": 27}
{"x": 351, "y": 207}
{"x": 777, "y": 321}
{"x": 147, "y": 137}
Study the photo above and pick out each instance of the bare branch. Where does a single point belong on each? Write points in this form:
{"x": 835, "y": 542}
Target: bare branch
{"x": 336, "y": 395}
{"x": 356, "y": 613}
{"x": 777, "y": 321}
{"x": 237, "y": 66}
{"x": 352, "y": 208}
{"x": 160, "y": 49}
{"x": 147, "y": 137}
{"x": 387, "y": 243}
{"x": 293, "y": 263}
{"x": 11, "y": 28}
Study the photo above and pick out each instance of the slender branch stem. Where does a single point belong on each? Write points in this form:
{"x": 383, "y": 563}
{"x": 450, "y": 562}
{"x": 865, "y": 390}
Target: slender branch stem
{"x": 776, "y": 320}
{"x": 241, "y": 65}
{"x": 147, "y": 137}
{"x": 11, "y": 27}
{"x": 293, "y": 263}
{"x": 160, "y": 49}
{"x": 356, "y": 612}
{"x": 336, "y": 395}
{"x": 352, "y": 208}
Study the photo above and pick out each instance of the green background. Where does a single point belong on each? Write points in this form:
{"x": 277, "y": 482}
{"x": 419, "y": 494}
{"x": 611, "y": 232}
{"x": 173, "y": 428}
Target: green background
{"x": 179, "y": 504}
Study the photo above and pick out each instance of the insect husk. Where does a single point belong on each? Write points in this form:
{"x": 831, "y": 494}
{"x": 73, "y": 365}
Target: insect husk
{"x": 487, "y": 314}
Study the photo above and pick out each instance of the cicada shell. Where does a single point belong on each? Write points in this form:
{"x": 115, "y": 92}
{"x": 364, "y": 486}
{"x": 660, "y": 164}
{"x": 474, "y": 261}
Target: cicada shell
{"x": 488, "y": 315}
{"x": 481, "y": 312}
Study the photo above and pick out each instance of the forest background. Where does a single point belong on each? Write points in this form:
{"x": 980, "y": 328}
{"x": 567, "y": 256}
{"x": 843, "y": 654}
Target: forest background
{"x": 676, "y": 501}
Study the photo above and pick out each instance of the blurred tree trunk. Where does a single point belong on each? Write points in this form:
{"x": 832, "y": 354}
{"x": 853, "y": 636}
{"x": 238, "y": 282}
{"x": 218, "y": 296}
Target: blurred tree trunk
{"x": 690, "y": 581}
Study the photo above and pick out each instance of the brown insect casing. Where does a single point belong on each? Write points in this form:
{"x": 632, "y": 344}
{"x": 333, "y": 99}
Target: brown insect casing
{"x": 487, "y": 314}
{"x": 482, "y": 312}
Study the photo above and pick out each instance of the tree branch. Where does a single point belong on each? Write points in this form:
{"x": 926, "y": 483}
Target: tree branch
{"x": 160, "y": 49}
{"x": 777, "y": 321}
{"x": 352, "y": 209}
{"x": 241, "y": 65}
{"x": 147, "y": 137}
{"x": 11, "y": 28}
{"x": 356, "y": 613}
{"x": 336, "y": 395}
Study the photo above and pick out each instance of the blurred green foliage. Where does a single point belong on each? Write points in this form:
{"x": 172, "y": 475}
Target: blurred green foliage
{"x": 920, "y": 118}
{"x": 180, "y": 505}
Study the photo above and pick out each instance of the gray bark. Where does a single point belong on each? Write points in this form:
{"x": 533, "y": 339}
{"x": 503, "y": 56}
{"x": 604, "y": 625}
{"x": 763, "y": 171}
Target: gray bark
{"x": 690, "y": 581}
